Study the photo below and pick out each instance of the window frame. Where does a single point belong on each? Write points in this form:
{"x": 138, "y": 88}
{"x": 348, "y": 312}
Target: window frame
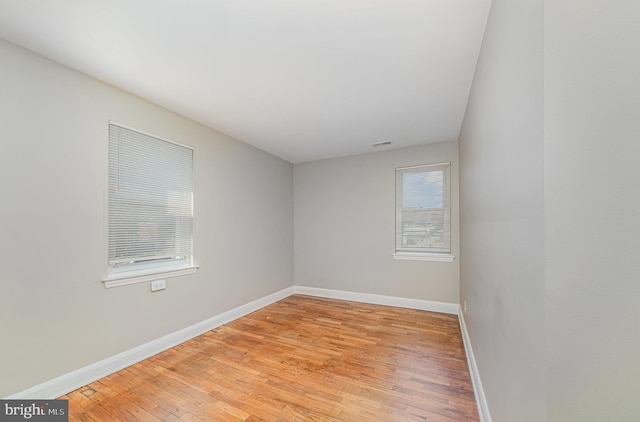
{"x": 142, "y": 271}
{"x": 443, "y": 254}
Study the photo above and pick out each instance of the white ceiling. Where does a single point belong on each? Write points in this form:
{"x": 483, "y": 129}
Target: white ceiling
{"x": 301, "y": 79}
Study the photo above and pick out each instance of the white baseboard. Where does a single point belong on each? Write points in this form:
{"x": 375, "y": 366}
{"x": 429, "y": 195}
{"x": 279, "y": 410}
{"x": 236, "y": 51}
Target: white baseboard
{"x": 478, "y": 391}
{"x": 66, "y": 383}
{"x": 73, "y": 380}
{"x": 401, "y": 302}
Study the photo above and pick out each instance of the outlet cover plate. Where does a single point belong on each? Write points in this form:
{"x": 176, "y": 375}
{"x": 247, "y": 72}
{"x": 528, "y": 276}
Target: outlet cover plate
{"x": 158, "y": 285}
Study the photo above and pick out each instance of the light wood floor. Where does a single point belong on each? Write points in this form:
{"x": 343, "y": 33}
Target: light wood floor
{"x": 300, "y": 359}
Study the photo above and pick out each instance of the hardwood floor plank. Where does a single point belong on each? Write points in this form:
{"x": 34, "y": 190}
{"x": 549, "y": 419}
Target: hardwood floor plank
{"x": 300, "y": 359}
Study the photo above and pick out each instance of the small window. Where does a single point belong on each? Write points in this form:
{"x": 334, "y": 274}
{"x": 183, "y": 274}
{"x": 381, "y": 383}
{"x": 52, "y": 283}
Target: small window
{"x": 150, "y": 206}
{"x": 423, "y": 212}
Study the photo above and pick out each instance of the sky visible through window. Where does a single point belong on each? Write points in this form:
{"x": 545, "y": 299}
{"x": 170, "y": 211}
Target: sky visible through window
{"x": 423, "y": 189}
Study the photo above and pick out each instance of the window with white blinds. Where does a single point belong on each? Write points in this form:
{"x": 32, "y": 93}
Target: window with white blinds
{"x": 423, "y": 210}
{"x": 150, "y": 203}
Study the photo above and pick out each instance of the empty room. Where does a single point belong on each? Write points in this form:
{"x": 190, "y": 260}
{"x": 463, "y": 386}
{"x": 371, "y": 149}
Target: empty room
{"x": 410, "y": 210}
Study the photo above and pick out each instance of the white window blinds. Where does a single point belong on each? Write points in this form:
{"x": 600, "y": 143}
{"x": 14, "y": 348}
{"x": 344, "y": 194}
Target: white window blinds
{"x": 150, "y": 202}
{"x": 423, "y": 209}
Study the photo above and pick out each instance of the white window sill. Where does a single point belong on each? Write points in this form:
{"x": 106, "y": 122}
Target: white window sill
{"x": 133, "y": 277}
{"x": 438, "y": 257}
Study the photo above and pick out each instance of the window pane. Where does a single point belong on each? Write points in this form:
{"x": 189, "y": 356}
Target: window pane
{"x": 423, "y": 189}
{"x": 423, "y": 216}
{"x": 423, "y": 228}
{"x": 150, "y": 201}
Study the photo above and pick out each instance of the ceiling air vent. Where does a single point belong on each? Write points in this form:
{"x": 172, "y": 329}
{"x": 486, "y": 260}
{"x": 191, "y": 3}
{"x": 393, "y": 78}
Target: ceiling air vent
{"x": 379, "y": 144}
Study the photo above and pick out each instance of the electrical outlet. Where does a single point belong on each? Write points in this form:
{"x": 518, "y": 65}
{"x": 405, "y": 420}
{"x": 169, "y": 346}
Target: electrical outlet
{"x": 464, "y": 307}
{"x": 158, "y": 285}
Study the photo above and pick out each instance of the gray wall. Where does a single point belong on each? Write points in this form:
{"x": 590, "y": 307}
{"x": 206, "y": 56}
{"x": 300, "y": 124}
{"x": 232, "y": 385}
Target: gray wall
{"x": 592, "y": 202}
{"x": 55, "y": 314}
{"x": 345, "y": 226}
{"x": 554, "y": 320}
{"x": 502, "y": 212}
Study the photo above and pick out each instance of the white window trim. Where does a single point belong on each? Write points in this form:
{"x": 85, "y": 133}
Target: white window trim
{"x": 426, "y": 256}
{"x": 128, "y": 277}
{"x": 134, "y": 277}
